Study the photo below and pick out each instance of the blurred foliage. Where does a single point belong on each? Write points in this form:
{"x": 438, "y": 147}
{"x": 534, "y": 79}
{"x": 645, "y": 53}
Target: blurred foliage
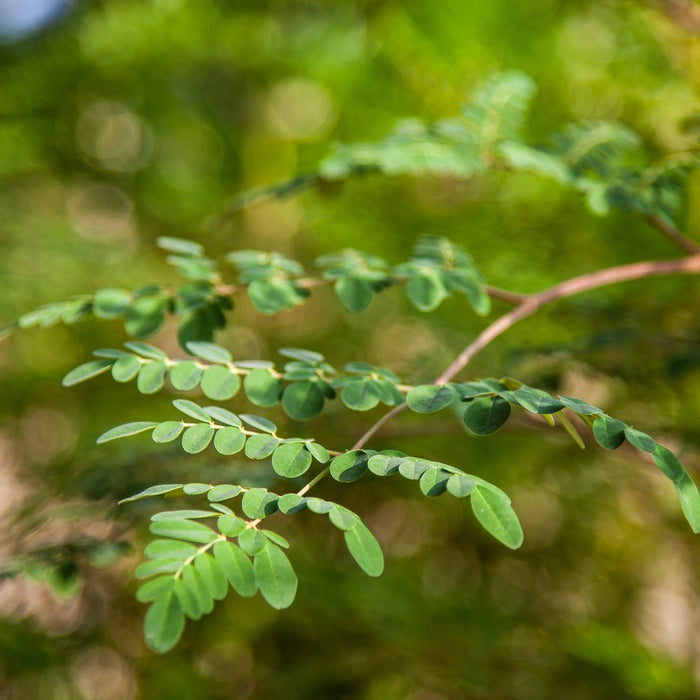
{"x": 127, "y": 120}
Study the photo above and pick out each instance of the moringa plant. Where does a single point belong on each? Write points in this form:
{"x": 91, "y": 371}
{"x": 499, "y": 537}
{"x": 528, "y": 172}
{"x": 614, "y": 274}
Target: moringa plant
{"x": 225, "y": 539}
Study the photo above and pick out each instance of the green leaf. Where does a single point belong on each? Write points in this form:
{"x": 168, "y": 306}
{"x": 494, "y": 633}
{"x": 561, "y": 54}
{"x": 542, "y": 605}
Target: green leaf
{"x": 230, "y": 525}
{"x": 110, "y": 303}
{"x": 262, "y": 388}
{"x": 259, "y": 503}
{"x": 342, "y": 518}
{"x": 430, "y": 398}
{"x": 275, "y": 577}
{"x": 668, "y": 463}
{"x": 125, "y": 368}
{"x": 185, "y": 375}
{"x": 210, "y": 352}
{"x": 125, "y": 430}
{"x": 164, "y": 624}
{"x": 192, "y": 580}
{"x": 360, "y": 394}
{"x": 433, "y": 482}
{"x": 196, "y": 488}
{"x": 157, "y": 566}
{"x": 533, "y": 400}
{"x": 384, "y": 465}
{"x": 690, "y": 500}
{"x": 180, "y": 245}
{"x": 170, "y": 549}
{"x": 223, "y": 415}
{"x": 183, "y": 530}
{"x": 365, "y": 549}
{"x": 291, "y": 459}
{"x": 349, "y": 466}
{"x": 223, "y": 492}
{"x": 460, "y": 486}
{"x": 168, "y": 431}
{"x": 220, "y": 383}
{"x": 212, "y": 575}
{"x": 258, "y": 423}
{"x": 86, "y": 371}
{"x": 306, "y": 356}
{"x": 252, "y": 541}
{"x": 579, "y": 406}
{"x": 319, "y": 452}
{"x": 145, "y": 316}
{"x": 319, "y": 506}
{"x": 413, "y": 469}
{"x": 151, "y": 377}
{"x": 197, "y": 438}
{"x": 154, "y": 589}
{"x": 302, "y": 400}
{"x": 237, "y": 567}
{"x": 229, "y": 441}
{"x": 486, "y": 415}
{"x": 355, "y": 292}
{"x": 190, "y": 514}
{"x": 276, "y": 538}
{"x": 190, "y": 408}
{"x": 260, "y": 446}
{"x": 291, "y": 503}
{"x": 146, "y": 350}
{"x": 426, "y": 290}
{"x": 609, "y": 432}
{"x": 152, "y": 491}
{"x": 497, "y": 516}
{"x": 188, "y": 600}
{"x": 640, "y": 440}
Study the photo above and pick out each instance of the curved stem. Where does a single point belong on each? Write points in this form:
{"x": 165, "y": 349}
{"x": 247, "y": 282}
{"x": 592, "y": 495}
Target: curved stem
{"x": 673, "y": 234}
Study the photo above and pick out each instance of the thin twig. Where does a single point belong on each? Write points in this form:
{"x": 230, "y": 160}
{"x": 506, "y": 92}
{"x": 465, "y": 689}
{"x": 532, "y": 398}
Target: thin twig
{"x": 672, "y": 233}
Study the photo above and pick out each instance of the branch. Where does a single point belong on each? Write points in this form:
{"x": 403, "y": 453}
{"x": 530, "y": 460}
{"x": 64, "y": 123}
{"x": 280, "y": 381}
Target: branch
{"x": 672, "y": 233}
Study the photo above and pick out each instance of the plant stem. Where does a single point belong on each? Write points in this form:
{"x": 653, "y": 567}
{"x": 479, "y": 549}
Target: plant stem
{"x": 672, "y": 233}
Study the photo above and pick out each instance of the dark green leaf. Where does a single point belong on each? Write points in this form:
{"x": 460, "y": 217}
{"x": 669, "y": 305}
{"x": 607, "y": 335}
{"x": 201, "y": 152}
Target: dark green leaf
{"x": 275, "y": 577}
{"x": 168, "y": 431}
{"x": 183, "y": 530}
{"x": 259, "y": 503}
{"x": 668, "y": 463}
{"x": 125, "y": 430}
{"x": 291, "y": 460}
{"x": 365, "y": 549}
{"x": 151, "y": 377}
{"x": 486, "y": 415}
{"x": 349, "y": 466}
{"x": 609, "y": 432}
{"x": 426, "y": 290}
{"x": 533, "y": 400}
{"x": 690, "y": 500}
{"x": 640, "y": 440}
{"x": 430, "y": 398}
{"x": 262, "y": 388}
{"x": 291, "y": 503}
{"x": 237, "y": 567}
{"x": 497, "y": 516}
{"x": 197, "y": 438}
{"x": 302, "y": 400}
{"x": 86, "y": 371}
{"x": 164, "y": 623}
{"x": 145, "y": 316}
{"x": 354, "y": 292}
{"x": 185, "y": 375}
{"x": 579, "y": 406}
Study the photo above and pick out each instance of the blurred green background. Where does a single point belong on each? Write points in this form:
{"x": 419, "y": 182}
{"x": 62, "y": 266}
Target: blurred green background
{"x": 125, "y": 120}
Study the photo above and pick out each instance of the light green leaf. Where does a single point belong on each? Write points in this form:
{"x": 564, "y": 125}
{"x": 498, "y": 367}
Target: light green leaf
{"x": 212, "y": 575}
{"x": 145, "y": 316}
{"x": 318, "y": 505}
{"x": 579, "y": 406}
{"x": 497, "y": 516}
{"x": 259, "y": 423}
{"x": 86, "y": 371}
{"x": 180, "y": 245}
{"x": 146, "y": 350}
{"x": 262, "y": 388}
{"x": 534, "y": 400}
{"x": 426, "y": 290}
{"x": 229, "y": 441}
{"x": 209, "y": 351}
{"x": 170, "y": 549}
{"x": 154, "y": 589}
{"x": 302, "y": 400}
{"x": 190, "y": 514}
{"x": 237, "y": 567}
{"x": 220, "y": 383}
{"x": 319, "y": 452}
{"x": 110, "y": 303}
{"x": 275, "y": 577}
{"x": 342, "y": 518}
{"x": 260, "y": 446}
{"x": 223, "y": 415}
{"x": 640, "y": 440}
{"x": 164, "y": 623}
{"x": 291, "y": 503}
{"x": 223, "y": 492}
{"x": 690, "y": 500}
{"x": 190, "y": 408}
{"x": 125, "y": 430}
{"x": 430, "y": 398}
{"x": 196, "y": 488}
{"x": 460, "y": 485}
{"x": 384, "y": 465}
{"x": 252, "y": 541}
{"x": 188, "y": 600}
{"x": 349, "y": 466}
{"x": 192, "y": 579}
{"x": 307, "y": 356}
{"x": 151, "y": 377}
{"x": 168, "y": 431}
{"x": 259, "y": 503}
{"x": 152, "y": 491}
{"x": 413, "y": 469}
{"x": 197, "y": 438}
{"x": 157, "y": 566}
{"x": 125, "y": 368}
{"x": 365, "y": 549}
{"x": 276, "y": 538}
{"x": 355, "y": 292}
{"x": 291, "y": 459}
{"x": 185, "y": 375}
{"x": 360, "y": 394}
{"x": 183, "y": 530}
{"x": 433, "y": 482}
